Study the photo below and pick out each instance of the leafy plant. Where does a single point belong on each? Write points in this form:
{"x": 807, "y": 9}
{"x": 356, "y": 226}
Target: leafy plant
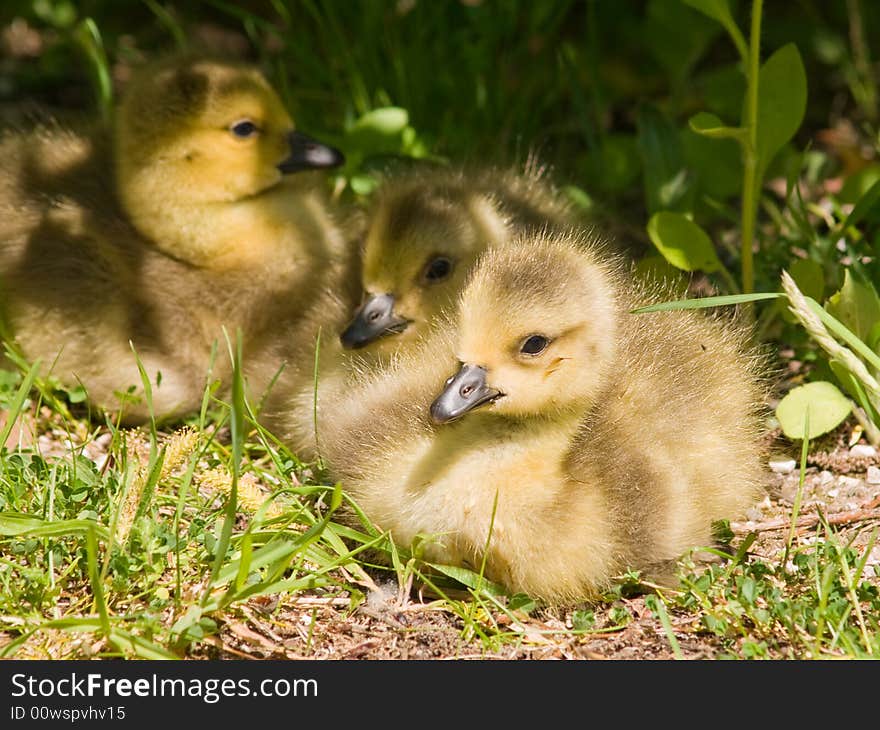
{"x": 772, "y": 111}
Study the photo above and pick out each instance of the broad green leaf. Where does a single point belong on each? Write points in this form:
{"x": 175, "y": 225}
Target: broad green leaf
{"x": 666, "y": 183}
{"x": 782, "y": 101}
{"x": 682, "y": 242}
{"x": 704, "y": 302}
{"x": 379, "y": 131}
{"x": 864, "y": 205}
{"x": 716, "y": 164}
{"x": 709, "y": 125}
{"x": 809, "y": 277}
{"x": 857, "y": 185}
{"x": 828, "y": 408}
{"x": 469, "y": 578}
{"x": 15, "y": 524}
{"x": 579, "y": 197}
{"x": 856, "y": 305}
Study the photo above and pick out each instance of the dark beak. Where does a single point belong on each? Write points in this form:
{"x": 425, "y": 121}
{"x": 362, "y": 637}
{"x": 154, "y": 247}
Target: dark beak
{"x": 375, "y": 318}
{"x": 309, "y": 154}
{"x": 464, "y": 391}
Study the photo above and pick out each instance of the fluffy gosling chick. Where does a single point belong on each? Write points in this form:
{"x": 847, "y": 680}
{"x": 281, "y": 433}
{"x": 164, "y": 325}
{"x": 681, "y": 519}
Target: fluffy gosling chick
{"x": 424, "y": 232}
{"x": 574, "y": 442}
{"x": 179, "y": 221}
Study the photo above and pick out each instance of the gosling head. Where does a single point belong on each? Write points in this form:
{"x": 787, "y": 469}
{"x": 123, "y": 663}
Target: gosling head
{"x": 198, "y": 132}
{"x": 536, "y": 332}
{"x": 421, "y": 244}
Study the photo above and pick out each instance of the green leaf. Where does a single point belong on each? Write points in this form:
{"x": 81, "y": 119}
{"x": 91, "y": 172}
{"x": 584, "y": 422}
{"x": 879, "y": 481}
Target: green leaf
{"x": 857, "y": 185}
{"x": 828, "y": 408}
{"x": 16, "y": 524}
{"x": 716, "y": 9}
{"x": 704, "y": 302}
{"x": 719, "y": 10}
{"x": 809, "y": 277}
{"x": 716, "y": 164}
{"x": 856, "y": 305}
{"x": 709, "y": 125}
{"x": 864, "y": 205}
{"x": 579, "y": 197}
{"x": 782, "y": 101}
{"x": 378, "y": 132}
{"x": 682, "y": 242}
{"x": 666, "y": 183}
{"x": 469, "y": 578}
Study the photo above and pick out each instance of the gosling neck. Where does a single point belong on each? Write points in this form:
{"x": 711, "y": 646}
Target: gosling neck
{"x": 261, "y": 231}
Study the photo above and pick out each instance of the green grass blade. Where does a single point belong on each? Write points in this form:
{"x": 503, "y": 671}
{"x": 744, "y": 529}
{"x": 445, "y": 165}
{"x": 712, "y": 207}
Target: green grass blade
{"x": 237, "y": 414}
{"x": 168, "y": 21}
{"x": 844, "y": 333}
{"x": 658, "y": 608}
{"x": 18, "y": 402}
{"x": 97, "y": 584}
{"x": 703, "y": 302}
{"x": 14, "y": 524}
{"x": 796, "y": 507}
{"x": 88, "y": 37}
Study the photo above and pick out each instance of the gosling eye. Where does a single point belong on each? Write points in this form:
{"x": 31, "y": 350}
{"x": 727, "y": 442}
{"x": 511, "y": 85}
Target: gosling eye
{"x": 534, "y": 345}
{"x": 244, "y": 129}
{"x": 437, "y": 269}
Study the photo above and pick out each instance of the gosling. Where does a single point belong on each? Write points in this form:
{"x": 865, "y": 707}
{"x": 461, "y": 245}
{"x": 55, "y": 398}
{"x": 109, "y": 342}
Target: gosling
{"x": 574, "y": 442}
{"x": 181, "y": 219}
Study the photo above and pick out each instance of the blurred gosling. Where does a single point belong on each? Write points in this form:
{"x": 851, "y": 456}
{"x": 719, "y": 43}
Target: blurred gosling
{"x": 180, "y": 219}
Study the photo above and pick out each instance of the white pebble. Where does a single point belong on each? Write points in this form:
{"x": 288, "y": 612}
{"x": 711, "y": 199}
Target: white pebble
{"x": 783, "y": 466}
{"x": 849, "y": 483}
{"x": 863, "y": 450}
{"x": 873, "y": 475}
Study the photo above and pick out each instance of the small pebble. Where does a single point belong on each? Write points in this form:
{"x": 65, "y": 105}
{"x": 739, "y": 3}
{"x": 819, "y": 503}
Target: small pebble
{"x": 849, "y": 483}
{"x": 873, "y": 475}
{"x": 783, "y": 466}
{"x": 863, "y": 450}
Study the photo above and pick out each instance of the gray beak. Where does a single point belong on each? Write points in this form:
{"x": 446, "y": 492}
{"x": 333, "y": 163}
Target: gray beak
{"x": 307, "y": 153}
{"x": 464, "y": 391}
{"x": 375, "y": 318}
